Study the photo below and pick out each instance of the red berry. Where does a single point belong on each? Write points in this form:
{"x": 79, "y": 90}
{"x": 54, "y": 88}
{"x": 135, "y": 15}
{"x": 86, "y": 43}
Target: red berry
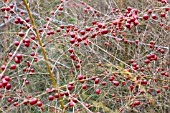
{"x": 153, "y": 16}
{"x": 72, "y": 40}
{"x": 62, "y": 93}
{"x": 136, "y": 22}
{"x": 13, "y": 66}
{"x": 21, "y": 34}
{"x": 97, "y": 91}
{"x": 3, "y": 8}
{"x": 88, "y": 28}
{"x": 118, "y": 99}
{"x": 62, "y": 26}
{"x": 79, "y": 39}
{"x": 158, "y": 90}
{"x": 111, "y": 78}
{"x": 3, "y": 67}
{"x": 16, "y": 60}
{"x": 1, "y": 84}
{"x": 129, "y": 8}
{"x": 149, "y": 10}
{"x": 145, "y": 16}
{"x": 137, "y": 102}
{"x": 26, "y": 40}
{"x": 104, "y": 31}
{"x": 162, "y": 51}
{"x": 80, "y": 77}
{"x": 7, "y": 78}
{"x": 26, "y": 82}
{"x": 70, "y": 87}
{"x": 84, "y": 86}
{"x": 9, "y": 99}
{"x": 147, "y": 61}
{"x": 144, "y": 82}
{"x": 96, "y": 80}
{"x": 25, "y": 101}
{"x": 123, "y": 82}
{"x": 162, "y": 14}
{"x": 4, "y": 82}
{"x": 50, "y": 97}
{"x": 15, "y": 104}
{"x": 103, "y": 83}
{"x": 32, "y": 37}
{"x": 128, "y": 25}
{"x": 72, "y": 34}
{"x": 78, "y": 65}
{"x": 8, "y": 86}
{"x": 166, "y": 8}
{"x": 116, "y": 83}
{"x": 27, "y": 19}
{"x": 71, "y": 104}
{"x": 56, "y": 95}
{"x": 165, "y": 87}
{"x": 19, "y": 56}
{"x": 32, "y": 54}
{"x": 16, "y": 43}
{"x": 39, "y": 103}
{"x": 82, "y": 32}
{"x": 33, "y": 101}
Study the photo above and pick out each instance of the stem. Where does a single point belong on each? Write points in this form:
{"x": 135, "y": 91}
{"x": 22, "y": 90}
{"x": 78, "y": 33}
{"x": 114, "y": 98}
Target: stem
{"x": 43, "y": 51}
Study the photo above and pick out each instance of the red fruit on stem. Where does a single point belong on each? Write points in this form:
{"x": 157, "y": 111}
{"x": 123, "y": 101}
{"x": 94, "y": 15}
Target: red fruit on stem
{"x": 153, "y": 16}
{"x": 8, "y": 86}
{"x": 145, "y": 16}
{"x": 116, "y": 83}
{"x": 25, "y": 101}
{"x": 21, "y": 34}
{"x": 70, "y": 87}
{"x": 103, "y": 83}
{"x": 82, "y": 32}
{"x": 19, "y": 56}
{"x": 104, "y": 31}
{"x": 3, "y": 67}
{"x": 33, "y": 101}
{"x": 97, "y": 91}
{"x": 16, "y": 43}
{"x": 39, "y": 103}
{"x": 158, "y": 90}
{"x": 7, "y": 78}
{"x": 137, "y": 102}
{"x": 165, "y": 87}
{"x": 15, "y": 104}
{"x": 56, "y": 95}
{"x": 13, "y": 66}
{"x": 80, "y": 77}
{"x": 84, "y": 86}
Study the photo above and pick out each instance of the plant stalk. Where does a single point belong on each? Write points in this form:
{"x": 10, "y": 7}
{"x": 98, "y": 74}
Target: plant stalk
{"x": 43, "y": 52}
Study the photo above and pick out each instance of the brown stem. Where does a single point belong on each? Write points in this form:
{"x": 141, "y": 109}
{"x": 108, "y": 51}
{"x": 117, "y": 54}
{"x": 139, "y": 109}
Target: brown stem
{"x": 43, "y": 52}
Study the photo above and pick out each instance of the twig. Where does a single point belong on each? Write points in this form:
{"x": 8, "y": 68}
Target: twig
{"x": 43, "y": 51}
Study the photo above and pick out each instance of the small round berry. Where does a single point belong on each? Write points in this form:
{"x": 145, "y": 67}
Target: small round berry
{"x": 15, "y": 104}
{"x": 13, "y": 66}
{"x": 33, "y": 101}
{"x": 50, "y": 97}
{"x": 97, "y": 91}
{"x": 84, "y": 86}
{"x": 145, "y": 16}
{"x": 137, "y": 102}
{"x": 39, "y": 103}
{"x": 7, "y": 78}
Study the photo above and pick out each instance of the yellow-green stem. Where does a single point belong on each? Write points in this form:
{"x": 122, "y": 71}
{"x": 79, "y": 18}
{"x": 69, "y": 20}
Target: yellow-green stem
{"x": 43, "y": 51}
